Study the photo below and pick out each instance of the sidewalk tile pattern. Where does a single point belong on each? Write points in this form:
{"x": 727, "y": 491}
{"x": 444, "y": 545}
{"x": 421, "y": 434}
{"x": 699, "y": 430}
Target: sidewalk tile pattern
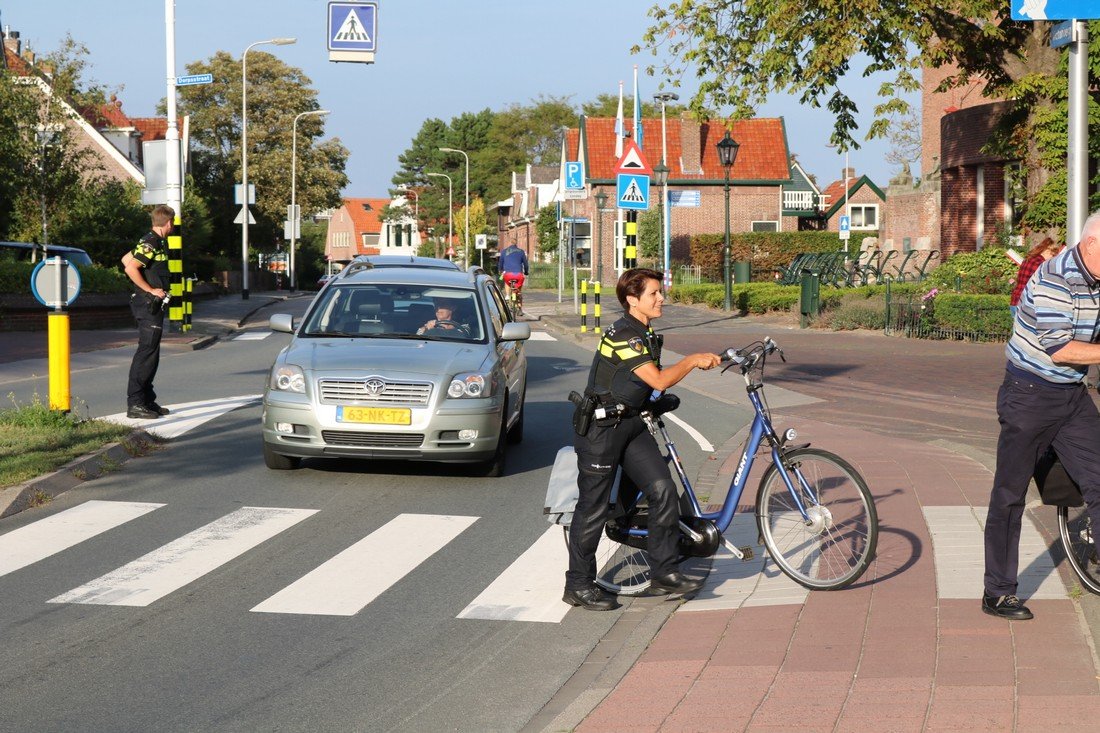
{"x": 906, "y": 648}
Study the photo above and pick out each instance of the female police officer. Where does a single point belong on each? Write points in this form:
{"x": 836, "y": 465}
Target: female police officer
{"x": 626, "y": 372}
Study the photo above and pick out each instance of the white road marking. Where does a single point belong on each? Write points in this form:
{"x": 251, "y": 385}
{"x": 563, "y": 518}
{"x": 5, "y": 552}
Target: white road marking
{"x": 344, "y": 585}
{"x": 695, "y": 434}
{"x": 541, "y": 336}
{"x": 39, "y": 540}
{"x": 958, "y": 547}
{"x": 530, "y": 588}
{"x": 251, "y": 336}
{"x": 188, "y": 558}
{"x": 186, "y": 416}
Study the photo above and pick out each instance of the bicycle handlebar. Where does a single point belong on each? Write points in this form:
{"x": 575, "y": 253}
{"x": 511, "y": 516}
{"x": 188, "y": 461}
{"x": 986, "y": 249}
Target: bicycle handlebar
{"x": 748, "y": 357}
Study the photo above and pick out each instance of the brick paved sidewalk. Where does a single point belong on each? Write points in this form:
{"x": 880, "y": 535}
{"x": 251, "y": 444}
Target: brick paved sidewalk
{"x": 905, "y": 649}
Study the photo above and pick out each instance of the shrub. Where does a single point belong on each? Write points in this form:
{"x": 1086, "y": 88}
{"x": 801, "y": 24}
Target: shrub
{"x": 766, "y": 250}
{"x": 983, "y": 313}
{"x": 988, "y": 272}
{"x": 15, "y": 277}
{"x": 854, "y": 313}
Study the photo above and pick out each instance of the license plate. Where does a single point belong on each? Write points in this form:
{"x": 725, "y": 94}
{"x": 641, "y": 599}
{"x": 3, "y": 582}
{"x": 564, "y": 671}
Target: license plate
{"x": 375, "y": 415}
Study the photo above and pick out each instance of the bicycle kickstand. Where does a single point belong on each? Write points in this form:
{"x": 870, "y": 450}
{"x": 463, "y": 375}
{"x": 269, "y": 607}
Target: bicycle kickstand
{"x": 744, "y": 554}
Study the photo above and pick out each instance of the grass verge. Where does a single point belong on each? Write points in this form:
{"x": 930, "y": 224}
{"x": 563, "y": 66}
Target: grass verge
{"x": 35, "y": 440}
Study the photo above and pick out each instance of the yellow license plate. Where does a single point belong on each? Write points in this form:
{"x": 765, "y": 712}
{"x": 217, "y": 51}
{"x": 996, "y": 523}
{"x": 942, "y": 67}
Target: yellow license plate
{"x": 375, "y": 415}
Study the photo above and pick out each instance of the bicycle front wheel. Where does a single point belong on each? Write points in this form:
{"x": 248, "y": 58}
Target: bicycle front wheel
{"x": 833, "y": 545}
{"x": 1075, "y": 527}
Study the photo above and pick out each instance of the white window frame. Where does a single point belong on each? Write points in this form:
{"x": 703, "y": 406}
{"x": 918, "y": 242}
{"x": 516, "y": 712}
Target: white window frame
{"x": 863, "y": 208}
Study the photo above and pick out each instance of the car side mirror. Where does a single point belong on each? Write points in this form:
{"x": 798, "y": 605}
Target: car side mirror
{"x": 515, "y": 332}
{"x": 283, "y": 322}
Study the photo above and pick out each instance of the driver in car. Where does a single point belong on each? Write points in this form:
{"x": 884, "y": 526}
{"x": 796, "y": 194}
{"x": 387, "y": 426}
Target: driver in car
{"x": 444, "y": 317}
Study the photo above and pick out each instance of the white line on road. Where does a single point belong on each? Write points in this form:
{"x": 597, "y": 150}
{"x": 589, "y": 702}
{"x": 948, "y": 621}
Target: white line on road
{"x": 344, "y": 585}
{"x": 188, "y": 558}
{"x": 251, "y": 336}
{"x": 530, "y": 588}
{"x": 186, "y": 416}
{"x": 695, "y": 434}
{"x": 39, "y": 540}
{"x": 541, "y": 336}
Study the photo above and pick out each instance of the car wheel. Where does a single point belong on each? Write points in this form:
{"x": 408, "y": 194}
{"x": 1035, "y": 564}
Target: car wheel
{"x": 515, "y": 435}
{"x": 494, "y": 467}
{"x": 279, "y": 462}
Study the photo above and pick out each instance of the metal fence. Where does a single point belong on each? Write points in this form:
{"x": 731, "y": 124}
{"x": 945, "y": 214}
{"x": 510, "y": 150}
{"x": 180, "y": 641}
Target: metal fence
{"x": 917, "y": 319}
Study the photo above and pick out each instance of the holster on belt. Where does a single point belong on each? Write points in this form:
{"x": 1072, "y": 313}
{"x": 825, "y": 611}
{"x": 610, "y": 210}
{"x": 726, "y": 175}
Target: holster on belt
{"x": 584, "y": 406}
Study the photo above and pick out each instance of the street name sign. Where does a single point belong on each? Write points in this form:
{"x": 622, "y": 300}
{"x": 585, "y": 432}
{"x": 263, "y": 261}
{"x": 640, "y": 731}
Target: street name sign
{"x": 1062, "y": 34}
{"x": 1055, "y": 10}
{"x": 192, "y": 79}
{"x": 352, "y": 31}
{"x": 690, "y": 199}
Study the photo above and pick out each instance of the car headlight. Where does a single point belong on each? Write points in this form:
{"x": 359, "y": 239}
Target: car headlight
{"x": 288, "y": 378}
{"x": 469, "y": 385}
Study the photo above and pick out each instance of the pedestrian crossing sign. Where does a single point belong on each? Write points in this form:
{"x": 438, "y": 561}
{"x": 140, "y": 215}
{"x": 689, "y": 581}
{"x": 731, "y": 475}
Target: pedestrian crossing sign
{"x": 352, "y": 31}
{"x": 632, "y": 191}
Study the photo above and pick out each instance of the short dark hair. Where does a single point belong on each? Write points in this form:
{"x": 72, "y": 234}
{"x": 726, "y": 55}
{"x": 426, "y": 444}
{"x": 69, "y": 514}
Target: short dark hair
{"x": 162, "y": 215}
{"x": 632, "y": 282}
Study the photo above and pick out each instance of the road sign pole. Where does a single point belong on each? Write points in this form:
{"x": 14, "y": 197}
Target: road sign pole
{"x": 1077, "y": 163}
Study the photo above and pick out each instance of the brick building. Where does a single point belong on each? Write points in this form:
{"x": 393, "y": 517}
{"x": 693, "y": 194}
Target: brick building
{"x": 533, "y": 189}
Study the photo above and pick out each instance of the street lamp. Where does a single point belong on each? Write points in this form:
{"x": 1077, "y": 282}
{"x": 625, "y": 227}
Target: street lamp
{"x": 727, "y": 153}
{"x": 467, "y": 157}
{"x": 601, "y": 201}
{"x": 666, "y": 225}
{"x": 450, "y": 204}
{"x": 244, "y": 154}
{"x": 295, "y": 217}
{"x": 660, "y": 177}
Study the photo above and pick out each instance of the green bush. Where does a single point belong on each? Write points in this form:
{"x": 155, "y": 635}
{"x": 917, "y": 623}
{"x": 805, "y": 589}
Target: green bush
{"x": 15, "y": 277}
{"x": 745, "y": 297}
{"x": 987, "y": 272}
{"x": 854, "y": 313}
{"x": 767, "y": 251}
{"x": 964, "y": 312}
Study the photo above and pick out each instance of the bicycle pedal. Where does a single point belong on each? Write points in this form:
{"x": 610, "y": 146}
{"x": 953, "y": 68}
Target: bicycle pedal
{"x": 747, "y": 553}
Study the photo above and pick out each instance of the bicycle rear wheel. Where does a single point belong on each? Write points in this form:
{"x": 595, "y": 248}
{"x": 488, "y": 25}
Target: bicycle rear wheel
{"x": 620, "y": 569}
{"x": 834, "y": 547}
{"x": 1075, "y": 527}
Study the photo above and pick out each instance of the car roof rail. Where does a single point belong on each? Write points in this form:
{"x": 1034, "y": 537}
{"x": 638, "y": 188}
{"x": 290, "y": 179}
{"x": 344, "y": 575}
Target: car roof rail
{"x": 354, "y": 267}
{"x": 474, "y": 271}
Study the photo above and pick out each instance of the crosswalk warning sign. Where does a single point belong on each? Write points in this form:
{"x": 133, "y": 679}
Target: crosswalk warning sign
{"x": 632, "y": 191}
{"x": 352, "y": 29}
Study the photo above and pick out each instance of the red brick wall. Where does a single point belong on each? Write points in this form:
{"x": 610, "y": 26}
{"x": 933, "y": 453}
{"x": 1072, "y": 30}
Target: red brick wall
{"x": 865, "y": 195}
{"x": 933, "y": 106}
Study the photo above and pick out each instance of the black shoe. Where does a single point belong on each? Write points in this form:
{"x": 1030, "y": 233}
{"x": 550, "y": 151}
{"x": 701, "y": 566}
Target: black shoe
{"x": 141, "y": 412}
{"x": 158, "y": 409}
{"x": 593, "y": 599}
{"x": 1006, "y": 607}
{"x": 676, "y": 583}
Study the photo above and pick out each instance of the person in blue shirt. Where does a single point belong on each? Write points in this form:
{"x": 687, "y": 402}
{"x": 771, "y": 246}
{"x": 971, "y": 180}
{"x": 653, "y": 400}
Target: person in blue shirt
{"x": 513, "y": 269}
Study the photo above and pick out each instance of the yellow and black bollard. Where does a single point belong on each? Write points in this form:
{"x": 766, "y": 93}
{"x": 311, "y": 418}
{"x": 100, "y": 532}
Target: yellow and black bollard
{"x": 175, "y": 275}
{"x": 596, "y": 287}
{"x": 630, "y": 251}
{"x": 584, "y": 306}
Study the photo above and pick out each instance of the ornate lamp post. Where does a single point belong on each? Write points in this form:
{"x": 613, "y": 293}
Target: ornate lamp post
{"x": 727, "y": 153}
{"x": 601, "y": 201}
{"x": 662, "y": 181}
{"x": 660, "y": 177}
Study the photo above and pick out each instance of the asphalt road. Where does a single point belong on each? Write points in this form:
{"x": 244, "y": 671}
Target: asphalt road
{"x": 200, "y": 658}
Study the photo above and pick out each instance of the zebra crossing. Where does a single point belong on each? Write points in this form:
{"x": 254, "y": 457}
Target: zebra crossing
{"x": 528, "y": 590}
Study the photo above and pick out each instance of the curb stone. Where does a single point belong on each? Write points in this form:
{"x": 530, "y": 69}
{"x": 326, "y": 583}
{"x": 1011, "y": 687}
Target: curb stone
{"x": 15, "y": 499}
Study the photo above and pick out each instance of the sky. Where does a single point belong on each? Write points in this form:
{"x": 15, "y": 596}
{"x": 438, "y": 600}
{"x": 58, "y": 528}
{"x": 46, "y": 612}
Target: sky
{"x": 435, "y": 58}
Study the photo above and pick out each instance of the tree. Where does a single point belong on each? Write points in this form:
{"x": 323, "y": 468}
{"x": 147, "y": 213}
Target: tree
{"x": 522, "y": 134}
{"x": 905, "y": 139}
{"x": 276, "y": 94}
{"x": 744, "y": 50}
{"x": 105, "y": 218}
{"x": 479, "y": 224}
{"x": 44, "y": 168}
{"x": 546, "y": 225}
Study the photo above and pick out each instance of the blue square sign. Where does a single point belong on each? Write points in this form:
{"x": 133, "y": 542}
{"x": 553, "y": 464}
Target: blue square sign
{"x": 352, "y": 26}
{"x": 632, "y": 191}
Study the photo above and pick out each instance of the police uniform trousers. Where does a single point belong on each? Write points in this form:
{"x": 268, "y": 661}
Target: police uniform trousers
{"x": 139, "y": 389}
{"x": 607, "y": 446}
{"x": 1034, "y": 416}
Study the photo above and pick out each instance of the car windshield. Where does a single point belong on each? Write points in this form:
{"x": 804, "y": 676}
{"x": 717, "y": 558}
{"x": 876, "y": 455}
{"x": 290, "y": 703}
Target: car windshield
{"x": 396, "y": 311}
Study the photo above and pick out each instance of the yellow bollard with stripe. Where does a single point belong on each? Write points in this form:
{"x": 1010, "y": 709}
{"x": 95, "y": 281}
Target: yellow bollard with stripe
{"x": 584, "y": 306}
{"x": 597, "y": 305}
{"x": 59, "y": 345}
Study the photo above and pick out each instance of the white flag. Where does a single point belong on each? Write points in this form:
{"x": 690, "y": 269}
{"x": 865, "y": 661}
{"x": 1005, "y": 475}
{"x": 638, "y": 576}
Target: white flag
{"x": 620, "y": 129}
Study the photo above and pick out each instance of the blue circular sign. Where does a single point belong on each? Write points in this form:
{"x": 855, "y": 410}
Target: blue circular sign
{"x": 55, "y": 289}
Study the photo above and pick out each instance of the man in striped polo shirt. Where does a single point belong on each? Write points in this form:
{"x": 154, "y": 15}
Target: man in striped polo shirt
{"x": 1043, "y": 402}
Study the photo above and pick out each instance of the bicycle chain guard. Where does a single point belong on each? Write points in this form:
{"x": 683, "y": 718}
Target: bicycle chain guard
{"x": 708, "y": 538}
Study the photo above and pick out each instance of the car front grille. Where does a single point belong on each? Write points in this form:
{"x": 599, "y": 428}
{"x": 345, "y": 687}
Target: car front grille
{"x": 373, "y": 440}
{"x": 343, "y": 391}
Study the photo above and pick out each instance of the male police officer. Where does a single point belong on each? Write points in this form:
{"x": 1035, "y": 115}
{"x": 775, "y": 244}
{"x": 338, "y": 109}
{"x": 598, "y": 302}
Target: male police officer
{"x": 627, "y": 371}
{"x": 147, "y": 267}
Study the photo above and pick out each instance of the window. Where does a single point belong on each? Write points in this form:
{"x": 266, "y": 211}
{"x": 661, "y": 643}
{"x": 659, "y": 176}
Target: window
{"x": 765, "y": 226}
{"x": 864, "y": 216}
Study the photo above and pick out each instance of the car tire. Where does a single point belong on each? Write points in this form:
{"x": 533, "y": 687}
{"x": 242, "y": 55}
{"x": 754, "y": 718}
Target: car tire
{"x": 515, "y": 435}
{"x": 279, "y": 462}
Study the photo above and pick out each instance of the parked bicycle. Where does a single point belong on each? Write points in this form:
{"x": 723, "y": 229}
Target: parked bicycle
{"x": 814, "y": 512}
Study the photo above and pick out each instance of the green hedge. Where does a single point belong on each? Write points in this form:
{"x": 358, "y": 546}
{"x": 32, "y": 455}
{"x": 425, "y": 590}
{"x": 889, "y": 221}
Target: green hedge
{"x": 15, "y": 277}
{"x": 766, "y": 250}
{"x": 965, "y": 312}
{"x": 746, "y": 297}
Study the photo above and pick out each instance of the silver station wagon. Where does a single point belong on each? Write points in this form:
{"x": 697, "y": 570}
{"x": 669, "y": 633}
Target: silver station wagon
{"x": 406, "y": 363}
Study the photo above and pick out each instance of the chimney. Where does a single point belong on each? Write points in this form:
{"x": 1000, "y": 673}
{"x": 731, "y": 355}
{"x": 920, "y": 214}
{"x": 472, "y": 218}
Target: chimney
{"x": 11, "y": 40}
{"x": 691, "y": 146}
{"x": 848, "y": 173}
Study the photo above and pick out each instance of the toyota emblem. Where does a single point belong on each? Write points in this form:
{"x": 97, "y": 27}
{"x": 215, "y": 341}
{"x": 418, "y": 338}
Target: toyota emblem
{"x": 375, "y": 386}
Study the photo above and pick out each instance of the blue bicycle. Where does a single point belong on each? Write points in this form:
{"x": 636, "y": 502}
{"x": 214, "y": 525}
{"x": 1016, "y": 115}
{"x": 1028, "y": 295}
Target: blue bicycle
{"x": 814, "y": 512}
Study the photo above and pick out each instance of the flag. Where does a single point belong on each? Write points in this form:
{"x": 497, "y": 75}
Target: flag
{"x": 620, "y": 130}
{"x": 637, "y": 110}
